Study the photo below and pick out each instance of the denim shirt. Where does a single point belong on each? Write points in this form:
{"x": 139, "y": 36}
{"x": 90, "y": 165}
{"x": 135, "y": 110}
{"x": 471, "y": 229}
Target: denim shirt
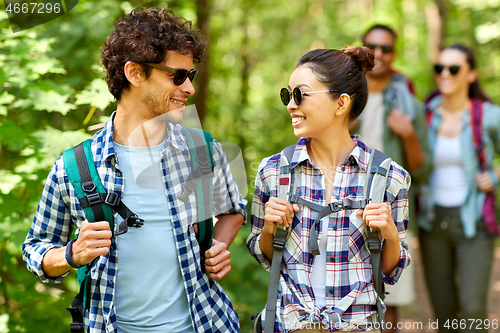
{"x": 471, "y": 210}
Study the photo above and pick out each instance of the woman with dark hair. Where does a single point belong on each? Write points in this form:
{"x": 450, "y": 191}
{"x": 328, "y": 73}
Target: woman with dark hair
{"x": 332, "y": 290}
{"x": 459, "y": 224}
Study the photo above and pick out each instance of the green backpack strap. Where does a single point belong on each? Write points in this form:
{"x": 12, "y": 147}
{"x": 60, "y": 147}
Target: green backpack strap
{"x": 82, "y": 173}
{"x": 200, "y": 181}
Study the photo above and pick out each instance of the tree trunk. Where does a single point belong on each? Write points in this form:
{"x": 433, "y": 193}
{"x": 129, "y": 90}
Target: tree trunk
{"x": 435, "y": 13}
{"x": 203, "y": 13}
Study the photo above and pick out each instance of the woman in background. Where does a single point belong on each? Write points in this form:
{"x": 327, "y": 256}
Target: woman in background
{"x": 457, "y": 232}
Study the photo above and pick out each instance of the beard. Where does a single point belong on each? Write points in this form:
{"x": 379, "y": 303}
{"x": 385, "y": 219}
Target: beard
{"x": 158, "y": 108}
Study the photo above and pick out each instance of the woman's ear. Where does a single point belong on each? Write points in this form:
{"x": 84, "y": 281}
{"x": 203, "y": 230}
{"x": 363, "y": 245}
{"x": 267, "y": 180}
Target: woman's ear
{"x": 343, "y": 105}
{"x": 472, "y": 76}
{"x": 134, "y": 73}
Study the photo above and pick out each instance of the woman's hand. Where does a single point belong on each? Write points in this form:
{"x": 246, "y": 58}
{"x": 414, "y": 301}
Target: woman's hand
{"x": 278, "y": 211}
{"x": 378, "y": 216}
{"x": 484, "y": 182}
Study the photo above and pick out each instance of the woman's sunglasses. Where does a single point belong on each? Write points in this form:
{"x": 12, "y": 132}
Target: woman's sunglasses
{"x": 180, "y": 75}
{"x": 386, "y": 49}
{"x": 298, "y": 95}
{"x": 452, "y": 69}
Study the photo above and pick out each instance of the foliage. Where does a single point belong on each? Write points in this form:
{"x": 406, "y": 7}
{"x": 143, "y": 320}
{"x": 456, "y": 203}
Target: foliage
{"x": 51, "y": 83}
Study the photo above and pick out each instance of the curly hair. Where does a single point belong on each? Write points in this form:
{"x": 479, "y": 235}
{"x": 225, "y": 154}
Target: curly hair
{"x": 145, "y": 35}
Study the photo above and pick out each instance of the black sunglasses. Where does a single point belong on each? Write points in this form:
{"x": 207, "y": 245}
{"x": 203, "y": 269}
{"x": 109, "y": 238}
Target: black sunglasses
{"x": 180, "y": 75}
{"x": 298, "y": 95}
{"x": 438, "y": 68}
{"x": 385, "y": 48}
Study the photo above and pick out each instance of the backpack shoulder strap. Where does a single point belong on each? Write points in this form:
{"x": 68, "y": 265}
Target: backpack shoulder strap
{"x": 281, "y": 234}
{"x": 476, "y": 114}
{"x": 82, "y": 173}
{"x": 374, "y": 189}
{"x": 200, "y": 181}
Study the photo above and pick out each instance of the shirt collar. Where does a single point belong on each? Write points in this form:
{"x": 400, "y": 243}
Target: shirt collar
{"x": 175, "y": 136}
{"x": 359, "y": 155}
{"x": 105, "y": 146}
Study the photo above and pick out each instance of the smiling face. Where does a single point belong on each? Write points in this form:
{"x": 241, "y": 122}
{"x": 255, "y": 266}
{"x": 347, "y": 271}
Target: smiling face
{"x": 316, "y": 113}
{"x": 161, "y": 97}
{"x": 448, "y": 84}
{"x": 383, "y": 61}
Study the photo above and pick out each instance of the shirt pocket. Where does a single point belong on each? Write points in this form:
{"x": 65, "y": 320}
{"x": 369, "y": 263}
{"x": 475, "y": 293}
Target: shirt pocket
{"x": 356, "y": 239}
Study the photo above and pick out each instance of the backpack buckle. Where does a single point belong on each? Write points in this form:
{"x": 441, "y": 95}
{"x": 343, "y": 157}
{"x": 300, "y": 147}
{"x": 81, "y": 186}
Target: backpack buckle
{"x": 135, "y": 221}
{"x": 335, "y": 207}
{"x": 88, "y": 186}
{"x": 203, "y": 165}
{"x": 112, "y": 199}
{"x": 94, "y": 199}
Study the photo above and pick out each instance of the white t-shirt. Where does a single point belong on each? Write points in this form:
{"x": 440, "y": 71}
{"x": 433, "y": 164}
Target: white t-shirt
{"x": 449, "y": 181}
{"x": 372, "y": 124}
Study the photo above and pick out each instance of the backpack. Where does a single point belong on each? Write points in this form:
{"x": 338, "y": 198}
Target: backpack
{"x": 374, "y": 191}
{"x": 476, "y": 113}
{"x": 98, "y": 205}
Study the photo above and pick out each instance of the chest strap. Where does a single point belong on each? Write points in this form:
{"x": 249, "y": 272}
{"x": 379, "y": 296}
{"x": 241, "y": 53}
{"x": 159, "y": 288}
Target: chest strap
{"x": 333, "y": 207}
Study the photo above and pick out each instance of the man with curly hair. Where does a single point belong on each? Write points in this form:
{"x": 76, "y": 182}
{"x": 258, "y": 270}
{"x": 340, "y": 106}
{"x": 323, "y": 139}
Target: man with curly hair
{"x": 150, "y": 279}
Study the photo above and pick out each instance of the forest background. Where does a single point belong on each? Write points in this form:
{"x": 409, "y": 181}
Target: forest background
{"x": 52, "y": 92}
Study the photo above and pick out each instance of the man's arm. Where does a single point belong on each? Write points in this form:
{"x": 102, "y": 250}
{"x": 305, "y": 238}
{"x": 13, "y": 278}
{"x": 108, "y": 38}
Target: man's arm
{"x": 218, "y": 258}
{"x": 402, "y": 125}
{"x": 93, "y": 241}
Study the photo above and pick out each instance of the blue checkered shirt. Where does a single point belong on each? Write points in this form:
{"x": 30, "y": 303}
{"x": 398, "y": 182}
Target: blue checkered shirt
{"x": 350, "y": 295}
{"x": 59, "y": 210}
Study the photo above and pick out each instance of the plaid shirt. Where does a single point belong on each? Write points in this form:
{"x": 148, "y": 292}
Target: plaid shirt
{"x": 350, "y": 295}
{"x": 59, "y": 210}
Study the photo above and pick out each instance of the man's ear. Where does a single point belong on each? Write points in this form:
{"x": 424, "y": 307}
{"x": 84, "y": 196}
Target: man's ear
{"x": 343, "y": 103}
{"x": 134, "y": 73}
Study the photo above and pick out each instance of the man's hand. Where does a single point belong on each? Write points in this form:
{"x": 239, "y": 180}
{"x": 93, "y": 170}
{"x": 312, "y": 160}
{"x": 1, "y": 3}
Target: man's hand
{"x": 400, "y": 124}
{"x": 93, "y": 241}
{"x": 217, "y": 260}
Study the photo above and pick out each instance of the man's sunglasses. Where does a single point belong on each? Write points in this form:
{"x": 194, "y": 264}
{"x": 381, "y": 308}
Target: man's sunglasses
{"x": 386, "y": 49}
{"x": 180, "y": 75}
{"x": 298, "y": 95}
{"x": 452, "y": 69}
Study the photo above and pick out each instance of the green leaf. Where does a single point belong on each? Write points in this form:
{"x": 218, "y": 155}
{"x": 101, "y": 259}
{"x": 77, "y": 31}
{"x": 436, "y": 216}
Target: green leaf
{"x": 96, "y": 94}
{"x": 50, "y": 101}
{"x": 6, "y": 98}
{"x": 12, "y": 135}
{"x": 8, "y": 181}
{"x": 54, "y": 142}
{"x": 43, "y": 65}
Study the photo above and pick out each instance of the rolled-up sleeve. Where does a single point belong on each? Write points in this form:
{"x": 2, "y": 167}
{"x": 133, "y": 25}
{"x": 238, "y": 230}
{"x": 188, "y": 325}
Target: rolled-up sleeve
{"x": 400, "y": 212}
{"x": 227, "y": 198}
{"x": 51, "y": 227}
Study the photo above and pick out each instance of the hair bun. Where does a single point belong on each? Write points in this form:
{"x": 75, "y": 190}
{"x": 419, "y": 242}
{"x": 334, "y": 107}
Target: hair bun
{"x": 363, "y": 55}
